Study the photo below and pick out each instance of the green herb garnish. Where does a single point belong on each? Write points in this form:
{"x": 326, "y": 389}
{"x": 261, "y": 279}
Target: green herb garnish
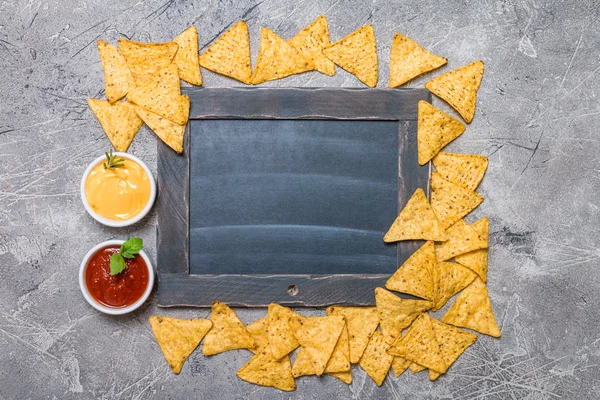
{"x": 128, "y": 250}
{"x": 112, "y": 162}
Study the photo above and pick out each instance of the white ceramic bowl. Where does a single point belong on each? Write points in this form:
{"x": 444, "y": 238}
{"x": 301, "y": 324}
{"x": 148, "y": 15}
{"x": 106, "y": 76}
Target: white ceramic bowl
{"x": 111, "y": 222}
{"x": 101, "y": 307}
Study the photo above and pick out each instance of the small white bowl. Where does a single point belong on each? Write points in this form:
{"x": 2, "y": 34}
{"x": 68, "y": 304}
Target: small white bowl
{"x": 111, "y": 222}
{"x": 114, "y": 310}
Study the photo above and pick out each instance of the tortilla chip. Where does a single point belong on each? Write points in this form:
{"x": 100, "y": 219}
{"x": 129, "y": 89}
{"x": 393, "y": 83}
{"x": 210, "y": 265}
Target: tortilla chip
{"x": 473, "y": 309}
{"x": 227, "y": 333}
{"x": 477, "y": 260}
{"x": 361, "y": 323}
{"x": 449, "y": 279}
{"x": 264, "y": 370}
{"x": 419, "y": 345}
{"x": 459, "y": 88}
{"x": 118, "y": 80}
{"x": 145, "y": 60}
{"x": 450, "y": 202}
{"x": 169, "y": 132}
{"x": 229, "y": 55}
{"x": 119, "y": 121}
{"x": 186, "y": 58}
{"x": 464, "y": 170}
{"x": 462, "y": 239}
{"x": 310, "y": 42}
{"x": 339, "y": 361}
{"x": 178, "y": 338}
{"x": 414, "y": 368}
{"x": 452, "y": 341}
{"x": 399, "y": 365}
{"x": 434, "y": 375}
{"x": 416, "y": 221}
{"x": 375, "y": 361}
{"x": 415, "y": 275}
{"x": 396, "y": 314}
{"x": 357, "y": 54}
{"x": 435, "y": 129}
{"x": 345, "y": 377}
{"x": 259, "y": 330}
{"x": 281, "y": 335}
{"x": 409, "y": 60}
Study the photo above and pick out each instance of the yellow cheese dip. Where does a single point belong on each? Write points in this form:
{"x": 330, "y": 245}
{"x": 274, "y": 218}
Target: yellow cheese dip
{"x": 120, "y": 193}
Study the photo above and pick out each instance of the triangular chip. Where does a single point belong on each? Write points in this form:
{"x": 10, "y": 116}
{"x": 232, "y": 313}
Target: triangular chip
{"x": 449, "y": 279}
{"x": 409, "y": 60}
{"x": 118, "y": 80}
{"x": 338, "y": 362}
{"x": 450, "y": 202}
{"x": 178, "y": 338}
{"x": 415, "y": 275}
{"x": 264, "y": 370}
{"x": 345, "y": 377}
{"x": 465, "y": 170}
{"x": 459, "y": 88}
{"x": 227, "y": 333}
{"x": 399, "y": 365}
{"x": 462, "y": 238}
{"x": 452, "y": 341}
{"x": 229, "y": 55}
{"x": 186, "y": 58}
{"x": 357, "y": 54}
{"x": 259, "y": 330}
{"x": 396, "y": 314}
{"x": 169, "y": 132}
{"x": 473, "y": 309}
{"x": 477, "y": 260}
{"x": 416, "y": 221}
{"x": 375, "y": 361}
{"x": 435, "y": 129}
{"x": 414, "y": 368}
{"x": 119, "y": 121}
{"x": 434, "y": 375}
{"x": 281, "y": 335}
{"x": 145, "y": 60}
{"x": 310, "y": 42}
{"x": 361, "y": 323}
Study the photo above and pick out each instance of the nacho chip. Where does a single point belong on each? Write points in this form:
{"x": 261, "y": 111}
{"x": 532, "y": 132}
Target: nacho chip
{"x": 357, "y": 54}
{"x": 434, "y": 375}
{"x": 415, "y": 368}
{"x": 462, "y": 239}
{"x": 345, "y": 377}
{"x": 396, "y": 314}
{"x": 264, "y": 370}
{"x": 459, "y": 88}
{"x": 281, "y": 335}
{"x": 361, "y": 323}
{"x": 259, "y": 330}
{"x": 229, "y": 55}
{"x": 450, "y": 202}
{"x": 409, "y": 60}
{"x": 477, "y": 260}
{"x": 416, "y": 221}
{"x": 449, "y": 279}
{"x": 415, "y": 275}
{"x": 169, "y": 132}
{"x": 227, "y": 333}
{"x": 118, "y": 80}
{"x": 310, "y": 42}
{"x": 338, "y": 362}
{"x": 375, "y": 361}
{"x": 399, "y": 365}
{"x": 452, "y": 341}
{"x": 178, "y": 338}
{"x": 473, "y": 309}
{"x": 119, "y": 121}
{"x": 145, "y": 60}
{"x": 186, "y": 58}
{"x": 464, "y": 170}
{"x": 435, "y": 129}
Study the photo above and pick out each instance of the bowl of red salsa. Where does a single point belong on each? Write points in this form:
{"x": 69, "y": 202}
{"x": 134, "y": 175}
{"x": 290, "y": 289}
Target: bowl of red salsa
{"x": 115, "y": 294}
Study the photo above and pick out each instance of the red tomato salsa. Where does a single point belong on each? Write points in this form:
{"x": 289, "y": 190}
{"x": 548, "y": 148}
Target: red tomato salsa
{"x": 119, "y": 290}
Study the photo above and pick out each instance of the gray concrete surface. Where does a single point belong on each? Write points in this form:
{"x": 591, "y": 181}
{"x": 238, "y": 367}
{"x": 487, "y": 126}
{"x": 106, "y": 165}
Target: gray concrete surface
{"x": 537, "y": 119}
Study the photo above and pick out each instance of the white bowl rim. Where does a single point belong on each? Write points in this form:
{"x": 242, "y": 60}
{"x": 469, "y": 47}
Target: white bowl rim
{"x": 101, "y": 307}
{"x": 111, "y": 222}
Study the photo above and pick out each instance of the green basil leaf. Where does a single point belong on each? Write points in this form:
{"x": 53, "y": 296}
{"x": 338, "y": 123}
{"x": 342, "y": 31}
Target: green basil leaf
{"x": 117, "y": 264}
{"x": 131, "y": 247}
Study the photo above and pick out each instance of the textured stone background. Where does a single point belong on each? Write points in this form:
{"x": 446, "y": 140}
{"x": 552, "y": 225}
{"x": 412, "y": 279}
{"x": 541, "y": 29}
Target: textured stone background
{"x": 537, "y": 119}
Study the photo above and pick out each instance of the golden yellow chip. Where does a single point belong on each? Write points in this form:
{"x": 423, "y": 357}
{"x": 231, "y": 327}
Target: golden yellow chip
{"x": 375, "y": 361}
{"x": 311, "y": 41}
{"x": 227, "y": 333}
{"x": 264, "y": 370}
{"x": 145, "y": 60}
{"x": 345, "y": 377}
{"x": 357, "y": 54}
{"x": 361, "y": 323}
{"x": 399, "y": 365}
{"x": 449, "y": 279}
{"x": 452, "y": 341}
{"x": 119, "y": 121}
{"x": 229, "y": 55}
{"x": 459, "y": 88}
{"x": 434, "y": 375}
{"x": 178, "y": 338}
{"x": 416, "y": 221}
{"x": 169, "y": 132}
{"x": 281, "y": 335}
{"x": 396, "y": 314}
{"x": 477, "y": 260}
{"x": 259, "y": 330}
{"x": 462, "y": 239}
{"x": 118, "y": 80}
{"x": 415, "y": 275}
{"x": 450, "y": 202}
{"x": 409, "y": 60}
{"x": 435, "y": 129}
{"x": 414, "y": 368}
{"x": 338, "y": 362}
{"x": 465, "y": 170}
{"x": 473, "y": 309}
{"x": 186, "y": 58}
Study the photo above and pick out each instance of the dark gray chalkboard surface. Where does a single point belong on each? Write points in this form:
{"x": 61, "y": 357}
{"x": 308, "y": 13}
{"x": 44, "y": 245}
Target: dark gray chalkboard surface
{"x": 284, "y": 195}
